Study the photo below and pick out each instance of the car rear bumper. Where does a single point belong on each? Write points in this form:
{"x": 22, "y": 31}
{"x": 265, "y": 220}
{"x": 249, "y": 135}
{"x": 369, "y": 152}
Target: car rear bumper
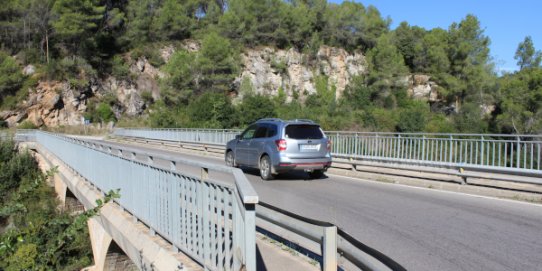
{"x": 286, "y": 164}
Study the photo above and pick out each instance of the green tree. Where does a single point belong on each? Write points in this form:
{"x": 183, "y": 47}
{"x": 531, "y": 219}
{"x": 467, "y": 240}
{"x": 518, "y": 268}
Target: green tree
{"x": 521, "y": 102}
{"x": 526, "y": 55}
{"x": 77, "y": 20}
{"x": 433, "y": 58}
{"x": 212, "y": 110}
{"x": 469, "y": 62}
{"x": 255, "y": 107}
{"x": 181, "y": 83}
{"x": 172, "y": 21}
{"x": 352, "y": 26}
{"x": 253, "y": 22}
{"x": 218, "y": 64}
{"x": 140, "y": 15}
{"x": 386, "y": 71}
{"x": 11, "y": 78}
{"x": 409, "y": 41}
{"x": 212, "y": 68}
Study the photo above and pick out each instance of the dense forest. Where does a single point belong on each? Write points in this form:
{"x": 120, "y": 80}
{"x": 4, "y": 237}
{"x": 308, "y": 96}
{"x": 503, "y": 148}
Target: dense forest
{"x": 77, "y": 40}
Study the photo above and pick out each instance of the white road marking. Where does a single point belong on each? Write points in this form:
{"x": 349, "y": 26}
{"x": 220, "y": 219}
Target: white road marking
{"x": 436, "y": 190}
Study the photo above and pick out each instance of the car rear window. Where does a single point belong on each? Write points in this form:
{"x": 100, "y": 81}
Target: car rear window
{"x": 303, "y": 131}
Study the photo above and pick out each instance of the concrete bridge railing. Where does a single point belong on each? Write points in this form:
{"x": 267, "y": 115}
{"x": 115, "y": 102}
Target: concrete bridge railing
{"x": 210, "y": 219}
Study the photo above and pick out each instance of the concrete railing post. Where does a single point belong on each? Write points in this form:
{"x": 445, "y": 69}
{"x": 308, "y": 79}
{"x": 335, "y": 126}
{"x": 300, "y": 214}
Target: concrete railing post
{"x": 250, "y": 236}
{"x": 329, "y": 249}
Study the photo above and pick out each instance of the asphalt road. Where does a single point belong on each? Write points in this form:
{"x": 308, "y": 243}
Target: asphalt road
{"x": 422, "y": 229}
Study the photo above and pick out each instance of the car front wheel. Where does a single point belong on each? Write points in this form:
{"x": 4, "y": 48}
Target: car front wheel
{"x": 265, "y": 168}
{"x": 230, "y": 159}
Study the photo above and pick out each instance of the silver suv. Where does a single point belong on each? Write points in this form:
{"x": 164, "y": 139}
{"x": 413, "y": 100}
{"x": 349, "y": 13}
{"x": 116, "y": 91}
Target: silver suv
{"x": 276, "y": 146}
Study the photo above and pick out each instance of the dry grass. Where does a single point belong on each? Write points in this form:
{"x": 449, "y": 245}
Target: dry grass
{"x": 90, "y": 130}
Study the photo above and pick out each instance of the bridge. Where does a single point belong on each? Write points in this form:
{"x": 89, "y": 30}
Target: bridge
{"x": 180, "y": 208}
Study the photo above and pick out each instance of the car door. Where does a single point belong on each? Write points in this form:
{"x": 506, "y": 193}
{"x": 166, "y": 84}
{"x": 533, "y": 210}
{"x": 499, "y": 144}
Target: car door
{"x": 243, "y": 145}
{"x": 257, "y": 145}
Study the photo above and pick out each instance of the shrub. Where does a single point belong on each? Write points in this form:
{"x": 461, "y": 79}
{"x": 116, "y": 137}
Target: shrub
{"x": 119, "y": 68}
{"x": 255, "y": 107}
{"x": 211, "y": 110}
{"x": 26, "y": 125}
{"x": 104, "y": 112}
{"x": 413, "y": 118}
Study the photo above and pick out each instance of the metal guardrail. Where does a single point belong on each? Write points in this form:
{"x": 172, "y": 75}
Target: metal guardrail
{"x": 509, "y": 154}
{"x": 5, "y": 135}
{"x": 212, "y": 221}
{"x": 25, "y": 135}
{"x": 207, "y": 136}
{"x": 504, "y": 153}
{"x": 334, "y": 245}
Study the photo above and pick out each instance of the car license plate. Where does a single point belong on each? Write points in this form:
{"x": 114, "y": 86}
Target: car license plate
{"x": 309, "y": 147}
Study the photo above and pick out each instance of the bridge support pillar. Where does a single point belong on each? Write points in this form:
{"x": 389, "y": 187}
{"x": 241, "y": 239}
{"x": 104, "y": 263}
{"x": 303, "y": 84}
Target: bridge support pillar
{"x": 60, "y": 188}
{"x": 100, "y": 241}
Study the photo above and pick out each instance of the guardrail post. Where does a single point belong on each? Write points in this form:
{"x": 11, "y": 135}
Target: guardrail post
{"x": 423, "y": 148}
{"x": 482, "y": 152}
{"x": 451, "y": 149}
{"x": 518, "y": 152}
{"x": 398, "y": 145}
{"x": 329, "y": 249}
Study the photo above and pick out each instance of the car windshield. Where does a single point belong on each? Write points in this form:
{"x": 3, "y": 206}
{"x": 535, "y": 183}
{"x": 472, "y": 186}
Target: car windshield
{"x": 303, "y": 131}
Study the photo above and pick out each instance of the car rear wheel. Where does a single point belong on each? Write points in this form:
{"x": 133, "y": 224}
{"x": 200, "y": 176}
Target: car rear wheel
{"x": 230, "y": 159}
{"x": 316, "y": 174}
{"x": 265, "y": 168}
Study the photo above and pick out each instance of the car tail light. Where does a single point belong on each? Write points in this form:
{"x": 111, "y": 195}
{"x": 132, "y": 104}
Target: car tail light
{"x": 329, "y": 143}
{"x": 281, "y": 144}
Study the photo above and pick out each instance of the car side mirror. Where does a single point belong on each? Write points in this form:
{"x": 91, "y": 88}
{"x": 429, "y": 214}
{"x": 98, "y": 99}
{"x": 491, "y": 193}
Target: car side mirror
{"x": 237, "y": 137}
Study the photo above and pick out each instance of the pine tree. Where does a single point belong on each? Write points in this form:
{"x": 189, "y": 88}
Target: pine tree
{"x": 77, "y": 21}
{"x": 526, "y": 55}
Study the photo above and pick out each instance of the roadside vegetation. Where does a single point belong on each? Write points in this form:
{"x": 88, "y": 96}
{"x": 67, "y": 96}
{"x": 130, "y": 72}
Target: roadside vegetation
{"x": 35, "y": 233}
{"x": 75, "y": 41}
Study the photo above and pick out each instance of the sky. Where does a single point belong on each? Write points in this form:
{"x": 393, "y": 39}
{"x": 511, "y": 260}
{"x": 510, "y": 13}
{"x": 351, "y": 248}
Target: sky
{"x": 505, "y": 22}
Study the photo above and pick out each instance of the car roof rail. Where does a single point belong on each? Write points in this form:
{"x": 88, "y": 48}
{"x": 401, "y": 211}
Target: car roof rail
{"x": 269, "y": 119}
{"x": 302, "y": 120}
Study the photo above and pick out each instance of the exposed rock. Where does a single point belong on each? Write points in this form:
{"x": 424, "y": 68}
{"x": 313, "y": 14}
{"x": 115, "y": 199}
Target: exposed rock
{"x": 127, "y": 93}
{"x": 142, "y": 65}
{"x": 421, "y": 88}
{"x": 167, "y": 52}
{"x": 56, "y": 103}
{"x": 190, "y": 46}
{"x": 269, "y": 69}
{"x": 15, "y": 118}
{"x": 487, "y": 109}
{"x": 29, "y": 70}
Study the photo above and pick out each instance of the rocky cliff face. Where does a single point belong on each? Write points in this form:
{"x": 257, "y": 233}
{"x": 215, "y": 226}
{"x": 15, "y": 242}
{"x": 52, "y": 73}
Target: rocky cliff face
{"x": 270, "y": 69}
{"x": 53, "y": 103}
{"x": 266, "y": 69}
